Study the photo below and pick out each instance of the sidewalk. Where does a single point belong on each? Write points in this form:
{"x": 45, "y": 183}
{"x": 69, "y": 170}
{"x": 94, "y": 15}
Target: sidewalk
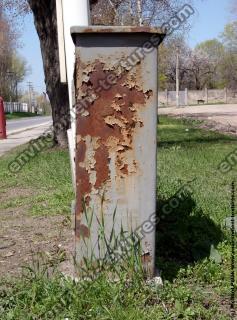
{"x": 222, "y": 118}
{"x": 18, "y": 138}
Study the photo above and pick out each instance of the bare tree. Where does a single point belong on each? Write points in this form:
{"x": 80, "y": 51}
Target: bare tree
{"x": 44, "y": 13}
{"x": 199, "y": 68}
{"x": 234, "y": 8}
{"x": 139, "y": 12}
{"x": 12, "y": 67}
{"x": 229, "y": 65}
{"x": 104, "y": 12}
{"x": 107, "y": 12}
{"x": 6, "y": 47}
{"x": 45, "y": 19}
{"x": 168, "y": 58}
{"x": 136, "y": 12}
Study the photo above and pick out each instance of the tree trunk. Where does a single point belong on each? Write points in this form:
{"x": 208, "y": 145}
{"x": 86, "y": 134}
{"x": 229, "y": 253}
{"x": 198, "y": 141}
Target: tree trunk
{"x": 139, "y": 11}
{"x": 45, "y": 20}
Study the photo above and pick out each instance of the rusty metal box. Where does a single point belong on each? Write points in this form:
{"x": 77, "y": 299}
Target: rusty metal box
{"x": 116, "y": 136}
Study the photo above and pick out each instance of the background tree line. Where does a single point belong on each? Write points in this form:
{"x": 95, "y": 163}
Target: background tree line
{"x": 13, "y": 68}
{"x": 211, "y": 64}
{"x": 103, "y": 12}
{"x": 198, "y": 67}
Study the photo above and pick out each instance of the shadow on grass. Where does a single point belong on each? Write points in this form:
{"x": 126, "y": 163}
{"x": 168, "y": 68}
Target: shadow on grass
{"x": 194, "y": 140}
{"x": 185, "y": 131}
{"x": 184, "y": 236}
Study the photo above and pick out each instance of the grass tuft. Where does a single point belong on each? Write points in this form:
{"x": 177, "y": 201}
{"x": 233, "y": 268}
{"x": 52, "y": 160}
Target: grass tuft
{"x": 195, "y": 286}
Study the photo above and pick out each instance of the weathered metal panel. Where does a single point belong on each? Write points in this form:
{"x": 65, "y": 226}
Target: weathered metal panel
{"x": 116, "y": 96}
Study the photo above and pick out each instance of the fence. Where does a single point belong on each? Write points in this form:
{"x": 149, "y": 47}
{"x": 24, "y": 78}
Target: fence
{"x": 10, "y": 107}
{"x": 191, "y": 97}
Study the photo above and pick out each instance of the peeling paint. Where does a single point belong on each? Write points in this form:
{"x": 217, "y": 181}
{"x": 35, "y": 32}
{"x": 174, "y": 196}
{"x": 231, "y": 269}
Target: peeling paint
{"x": 102, "y": 166}
{"x": 82, "y": 232}
{"x": 146, "y": 259}
{"x": 116, "y": 120}
{"x": 112, "y": 120}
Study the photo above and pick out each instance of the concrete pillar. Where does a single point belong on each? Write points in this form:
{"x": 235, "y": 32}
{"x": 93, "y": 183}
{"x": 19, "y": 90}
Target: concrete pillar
{"x": 167, "y": 97}
{"x": 177, "y": 80}
{"x": 74, "y": 12}
{"x": 225, "y": 95}
{"x": 206, "y": 95}
{"x": 186, "y": 96}
{"x": 116, "y": 163}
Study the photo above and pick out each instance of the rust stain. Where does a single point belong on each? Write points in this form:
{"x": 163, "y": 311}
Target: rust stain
{"x": 102, "y": 166}
{"x": 84, "y": 187}
{"x": 82, "y": 231}
{"x": 81, "y": 150}
{"x": 87, "y": 200}
{"x": 112, "y": 119}
{"x": 146, "y": 258}
{"x": 83, "y": 181}
{"x": 123, "y": 29}
{"x": 95, "y": 125}
{"x": 148, "y": 94}
{"x": 124, "y": 169}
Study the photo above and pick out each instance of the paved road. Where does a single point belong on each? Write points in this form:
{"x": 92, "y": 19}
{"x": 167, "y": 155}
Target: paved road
{"x": 22, "y": 131}
{"x": 17, "y": 139}
{"x": 223, "y": 114}
{"x": 13, "y": 125}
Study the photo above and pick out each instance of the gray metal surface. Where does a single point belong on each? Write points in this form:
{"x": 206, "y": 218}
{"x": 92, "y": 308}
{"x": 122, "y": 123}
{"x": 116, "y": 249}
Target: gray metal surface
{"x": 115, "y": 29}
{"x": 116, "y": 137}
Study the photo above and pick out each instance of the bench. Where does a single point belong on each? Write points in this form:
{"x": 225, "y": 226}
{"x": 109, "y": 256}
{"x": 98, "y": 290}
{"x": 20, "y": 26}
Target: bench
{"x": 200, "y": 101}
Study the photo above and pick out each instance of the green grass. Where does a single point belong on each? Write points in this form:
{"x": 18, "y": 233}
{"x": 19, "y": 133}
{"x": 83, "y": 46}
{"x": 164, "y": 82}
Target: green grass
{"x": 20, "y": 115}
{"x": 43, "y": 185}
{"x": 185, "y": 154}
{"x": 195, "y": 286}
{"x": 39, "y": 297}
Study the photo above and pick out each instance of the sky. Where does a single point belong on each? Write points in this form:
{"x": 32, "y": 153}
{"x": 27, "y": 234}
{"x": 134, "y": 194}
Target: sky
{"x": 209, "y": 21}
{"x": 31, "y": 52}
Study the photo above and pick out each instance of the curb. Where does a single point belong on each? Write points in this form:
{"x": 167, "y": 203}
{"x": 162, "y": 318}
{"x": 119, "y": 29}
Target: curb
{"x": 13, "y": 132}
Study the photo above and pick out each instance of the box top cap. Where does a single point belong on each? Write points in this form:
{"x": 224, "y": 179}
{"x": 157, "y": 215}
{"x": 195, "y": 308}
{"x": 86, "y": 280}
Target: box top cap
{"x": 116, "y": 29}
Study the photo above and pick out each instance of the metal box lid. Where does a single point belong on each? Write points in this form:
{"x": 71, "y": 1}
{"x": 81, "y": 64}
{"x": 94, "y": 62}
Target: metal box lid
{"x": 77, "y": 30}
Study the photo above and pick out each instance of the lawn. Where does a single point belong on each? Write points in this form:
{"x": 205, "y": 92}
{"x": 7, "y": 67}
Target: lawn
{"x": 193, "y": 244}
{"x": 20, "y": 115}
{"x": 43, "y": 185}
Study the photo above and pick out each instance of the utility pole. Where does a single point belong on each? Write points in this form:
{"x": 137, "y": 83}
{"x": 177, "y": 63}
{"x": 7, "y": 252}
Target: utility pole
{"x": 34, "y": 104}
{"x": 30, "y": 86}
{"x": 16, "y": 88}
{"x": 17, "y": 91}
{"x": 71, "y": 13}
{"x": 10, "y": 75}
{"x": 131, "y": 12}
{"x": 139, "y": 10}
{"x": 177, "y": 78}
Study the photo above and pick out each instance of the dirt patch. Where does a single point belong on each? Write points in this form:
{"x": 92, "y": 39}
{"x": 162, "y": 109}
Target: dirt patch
{"x": 219, "y": 118}
{"x": 217, "y": 127}
{"x": 23, "y": 238}
{"x": 209, "y": 124}
{"x": 13, "y": 193}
